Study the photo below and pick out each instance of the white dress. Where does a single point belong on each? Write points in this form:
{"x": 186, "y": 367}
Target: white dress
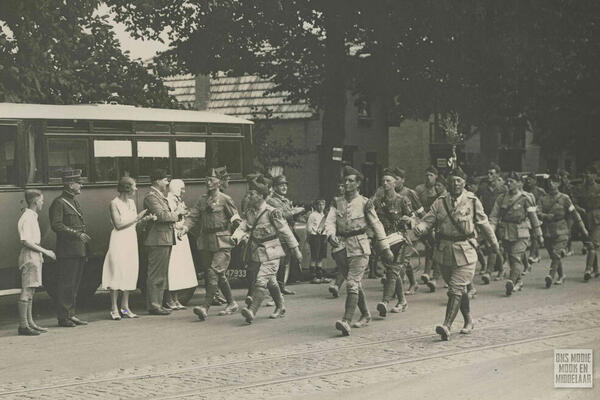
{"x": 182, "y": 274}
{"x": 121, "y": 264}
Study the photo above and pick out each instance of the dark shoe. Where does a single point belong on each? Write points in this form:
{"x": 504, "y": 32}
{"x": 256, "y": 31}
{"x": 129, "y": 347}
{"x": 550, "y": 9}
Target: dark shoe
{"x": 66, "y": 323}
{"x": 78, "y": 321}
{"x": 287, "y": 291}
{"x": 467, "y": 329}
{"x": 431, "y": 285}
{"x": 27, "y": 331}
{"x": 587, "y": 276}
{"x": 248, "y": 315}
{"x": 343, "y": 327}
{"x": 159, "y": 311}
{"x": 230, "y": 309}
{"x": 218, "y": 300}
{"x": 362, "y": 321}
{"x": 201, "y": 313}
{"x": 278, "y": 313}
{"x": 425, "y": 278}
{"x": 248, "y": 301}
{"x": 443, "y": 331}
{"x": 548, "y": 280}
{"x": 400, "y": 307}
{"x": 485, "y": 278}
{"x": 382, "y": 309}
{"x": 316, "y": 281}
{"x": 38, "y": 328}
{"x": 412, "y": 290}
{"x": 509, "y": 287}
{"x": 335, "y": 292}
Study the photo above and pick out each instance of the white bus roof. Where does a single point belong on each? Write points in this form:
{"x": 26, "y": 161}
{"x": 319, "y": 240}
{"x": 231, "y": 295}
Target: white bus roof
{"x": 113, "y": 113}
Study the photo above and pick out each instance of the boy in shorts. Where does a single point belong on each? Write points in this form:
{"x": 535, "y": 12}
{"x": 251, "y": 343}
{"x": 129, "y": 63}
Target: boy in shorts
{"x": 30, "y": 261}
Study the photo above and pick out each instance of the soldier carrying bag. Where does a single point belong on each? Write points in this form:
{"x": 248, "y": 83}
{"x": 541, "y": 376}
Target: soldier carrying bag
{"x": 246, "y": 256}
{"x": 458, "y": 227}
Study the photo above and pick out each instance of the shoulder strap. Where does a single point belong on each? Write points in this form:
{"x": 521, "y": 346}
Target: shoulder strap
{"x": 256, "y": 223}
{"x": 72, "y": 206}
{"x": 458, "y": 227}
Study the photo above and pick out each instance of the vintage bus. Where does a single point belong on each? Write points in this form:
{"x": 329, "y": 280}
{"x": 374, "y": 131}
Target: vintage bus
{"x": 106, "y": 142}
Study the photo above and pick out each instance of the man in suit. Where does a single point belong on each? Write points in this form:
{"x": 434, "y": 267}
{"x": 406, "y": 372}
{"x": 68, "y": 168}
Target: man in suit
{"x": 66, "y": 219}
{"x": 159, "y": 238}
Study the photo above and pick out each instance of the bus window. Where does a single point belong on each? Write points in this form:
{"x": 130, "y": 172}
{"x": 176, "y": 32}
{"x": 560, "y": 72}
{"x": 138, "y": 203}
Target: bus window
{"x": 112, "y": 159}
{"x": 67, "y": 153}
{"x": 152, "y": 155}
{"x": 227, "y": 152}
{"x": 191, "y": 159}
{"x": 34, "y": 144}
{"x": 8, "y": 165}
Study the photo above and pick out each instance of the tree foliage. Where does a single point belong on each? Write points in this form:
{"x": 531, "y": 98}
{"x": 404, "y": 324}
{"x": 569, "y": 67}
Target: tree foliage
{"x": 64, "y": 52}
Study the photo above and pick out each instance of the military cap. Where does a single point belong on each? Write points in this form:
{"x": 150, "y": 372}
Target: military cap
{"x": 495, "y": 166}
{"x": 458, "y": 172}
{"x": 348, "y": 170}
{"x": 222, "y": 173}
{"x": 158, "y": 174}
{"x": 432, "y": 169}
{"x": 390, "y": 172}
{"x": 514, "y": 175}
{"x": 70, "y": 175}
{"x": 400, "y": 173}
{"x": 212, "y": 173}
{"x": 258, "y": 184}
{"x": 279, "y": 180}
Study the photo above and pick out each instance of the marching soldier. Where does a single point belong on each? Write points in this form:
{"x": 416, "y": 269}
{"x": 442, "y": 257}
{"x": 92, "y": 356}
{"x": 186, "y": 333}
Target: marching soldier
{"x": 338, "y": 257}
{"x": 510, "y": 214}
{"x": 214, "y": 217}
{"x": 428, "y": 192}
{"x": 394, "y": 212}
{"x": 590, "y": 201}
{"x": 263, "y": 229}
{"x": 66, "y": 219}
{"x": 532, "y": 187}
{"x": 279, "y": 200}
{"x": 455, "y": 215}
{"x": 346, "y": 226}
{"x": 553, "y": 210}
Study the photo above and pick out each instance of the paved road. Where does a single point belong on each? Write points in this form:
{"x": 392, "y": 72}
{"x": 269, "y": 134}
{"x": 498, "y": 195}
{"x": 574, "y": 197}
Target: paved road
{"x": 301, "y": 356}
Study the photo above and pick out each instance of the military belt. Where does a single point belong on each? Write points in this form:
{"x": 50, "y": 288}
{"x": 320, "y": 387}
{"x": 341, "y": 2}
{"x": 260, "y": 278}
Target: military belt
{"x": 263, "y": 240}
{"x": 352, "y": 233}
{"x": 460, "y": 238}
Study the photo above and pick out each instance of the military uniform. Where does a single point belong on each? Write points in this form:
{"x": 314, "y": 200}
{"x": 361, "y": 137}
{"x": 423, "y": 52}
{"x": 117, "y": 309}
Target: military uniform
{"x": 66, "y": 219}
{"x": 392, "y": 212}
{"x": 590, "y": 200}
{"x": 455, "y": 250}
{"x": 514, "y": 215}
{"x": 348, "y": 220}
{"x": 211, "y": 220}
{"x": 269, "y": 233}
{"x": 488, "y": 194}
{"x": 553, "y": 209}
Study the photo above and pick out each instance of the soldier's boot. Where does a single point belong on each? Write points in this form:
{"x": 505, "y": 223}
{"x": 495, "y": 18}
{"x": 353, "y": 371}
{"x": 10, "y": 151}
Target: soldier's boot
{"x": 412, "y": 288}
{"x": 561, "y": 274}
{"x": 486, "y": 278}
{"x": 465, "y": 309}
{"x": 250, "y": 312}
{"x": 432, "y": 285}
{"x": 548, "y": 280}
{"x": 452, "y": 307}
{"x": 589, "y": 263}
{"x": 509, "y": 287}
{"x": 201, "y": 312}
{"x": 279, "y": 302}
{"x": 388, "y": 292}
{"x": 343, "y": 325}
{"x": 519, "y": 285}
{"x": 402, "y": 304}
{"x": 334, "y": 290}
{"x": 365, "y": 315}
{"x": 471, "y": 291}
{"x": 232, "y": 306}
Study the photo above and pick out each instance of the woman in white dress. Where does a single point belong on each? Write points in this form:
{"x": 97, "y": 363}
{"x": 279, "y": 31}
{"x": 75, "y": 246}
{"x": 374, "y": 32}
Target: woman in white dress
{"x": 182, "y": 274}
{"x": 121, "y": 264}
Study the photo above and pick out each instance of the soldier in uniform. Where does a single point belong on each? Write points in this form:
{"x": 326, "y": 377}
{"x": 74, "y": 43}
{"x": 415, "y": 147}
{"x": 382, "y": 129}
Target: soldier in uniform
{"x": 66, "y": 220}
{"x": 488, "y": 193}
{"x": 214, "y": 217}
{"x": 263, "y": 228}
{"x": 289, "y": 212}
{"x": 553, "y": 210}
{"x": 455, "y": 215}
{"x": 394, "y": 212}
{"x": 590, "y": 201}
{"x": 338, "y": 257}
{"x": 428, "y": 192}
{"x": 532, "y": 187}
{"x": 511, "y": 214}
{"x": 346, "y": 226}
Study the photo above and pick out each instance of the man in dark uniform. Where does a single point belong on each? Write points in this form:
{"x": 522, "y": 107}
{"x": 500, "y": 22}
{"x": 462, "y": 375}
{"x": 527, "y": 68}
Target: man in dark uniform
{"x": 428, "y": 192}
{"x": 590, "y": 200}
{"x": 514, "y": 213}
{"x": 282, "y": 203}
{"x": 455, "y": 215}
{"x": 214, "y": 217}
{"x": 66, "y": 219}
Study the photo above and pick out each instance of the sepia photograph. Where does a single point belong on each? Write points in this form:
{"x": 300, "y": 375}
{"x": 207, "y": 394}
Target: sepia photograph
{"x": 299, "y": 199}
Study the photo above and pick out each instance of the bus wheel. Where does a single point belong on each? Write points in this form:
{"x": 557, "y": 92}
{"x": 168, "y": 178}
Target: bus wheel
{"x": 185, "y": 295}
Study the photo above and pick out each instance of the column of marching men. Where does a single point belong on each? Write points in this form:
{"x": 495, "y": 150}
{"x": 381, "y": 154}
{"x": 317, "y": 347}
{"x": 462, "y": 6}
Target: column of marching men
{"x": 459, "y": 221}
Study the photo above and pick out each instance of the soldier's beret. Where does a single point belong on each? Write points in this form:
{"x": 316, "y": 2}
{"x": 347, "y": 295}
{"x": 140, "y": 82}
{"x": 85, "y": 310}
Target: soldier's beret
{"x": 495, "y": 166}
{"x": 257, "y": 183}
{"x": 70, "y": 175}
{"x": 158, "y": 174}
{"x": 400, "y": 173}
{"x": 514, "y": 175}
{"x": 432, "y": 169}
{"x": 279, "y": 180}
{"x": 458, "y": 172}
{"x": 348, "y": 170}
{"x": 390, "y": 172}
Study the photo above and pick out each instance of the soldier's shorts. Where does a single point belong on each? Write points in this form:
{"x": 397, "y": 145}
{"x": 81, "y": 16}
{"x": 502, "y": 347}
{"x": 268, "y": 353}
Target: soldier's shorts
{"x": 340, "y": 261}
{"x": 355, "y": 267}
{"x": 458, "y": 278}
{"x": 554, "y": 246}
{"x": 267, "y": 272}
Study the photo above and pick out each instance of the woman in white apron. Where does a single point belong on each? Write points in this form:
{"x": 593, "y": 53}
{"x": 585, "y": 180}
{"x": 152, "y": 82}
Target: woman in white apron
{"x": 182, "y": 274}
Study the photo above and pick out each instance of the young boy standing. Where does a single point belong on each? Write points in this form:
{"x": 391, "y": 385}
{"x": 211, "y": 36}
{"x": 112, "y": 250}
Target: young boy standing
{"x": 30, "y": 261}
